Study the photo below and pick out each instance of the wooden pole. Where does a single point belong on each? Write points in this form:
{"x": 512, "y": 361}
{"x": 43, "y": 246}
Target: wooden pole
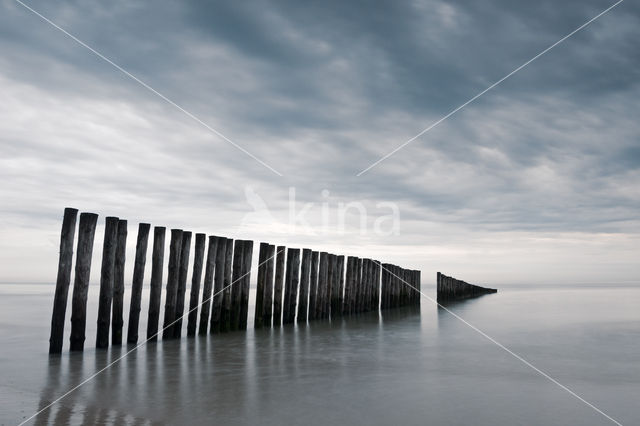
{"x": 305, "y": 269}
{"x": 287, "y": 288}
{"x": 117, "y": 307}
{"x": 196, "y": 278}
{"x": 323, "y": 285}
{"x": 171, "y": 290}
{"x": 218, "y": 287}
{"x": 236, "y": 284}
{"x": 225, "y": 322}
{"x": 267, "y": 301}
{"x": 376, "y": 285}
{"x": 182, "y": 283}
{"x": 292, "y": 278}
{"x": 295, "y": 282}
{"x": 365, "y": 285}
{"x": 63, "y": 280}
{"x": 245, "y": 279}
{"x": 347, "y": 286}
{"x": 313, "y": 286}
{"x": 205, "y": 305}
{"x": 86, "y": 233}
{"x": 278, "y": 286}
{"x": 335, "y": 286}
{"x": 358, "y": 287}
{"x": 106, "y": 281}
{"x": 157, "y": 266}
{"x": 341, "y": 285}
{"x": 383, "y": 286}
{"x": 260, "y": 284}
{"x": 137, "y": 281}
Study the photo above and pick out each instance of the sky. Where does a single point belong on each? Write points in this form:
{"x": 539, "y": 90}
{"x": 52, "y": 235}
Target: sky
{"x": 253, "y": 120}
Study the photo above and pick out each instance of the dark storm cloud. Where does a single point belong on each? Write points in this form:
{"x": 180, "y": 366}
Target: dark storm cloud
{"x": 319, "y": 90}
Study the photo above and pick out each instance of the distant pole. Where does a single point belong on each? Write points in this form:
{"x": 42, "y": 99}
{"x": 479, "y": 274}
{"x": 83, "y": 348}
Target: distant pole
{"x": 196, "y": 278}
{"x": 335, "y": 297}
{"x": 348, "y": 288}
{"x": 173, "y": 275}
{"x": 278, "y": 286}
{"x": 341, "y": 285}
{"x": 291, "y": 285}
{"x": 63, "y": 280}
{"x": 236, "y": 284}
{"x": 225, "y": 323}
{"x": 305, "y": 268}
{"x": 155, "y": 292}
{"x": 106, "y": 281}
{"x": 218, "y": 286}
{"x": 117, "y": 307}
{"x": 313, "y": 286}
{"x": 137, "y": 281}
{"x": 182, "y": 283}
{"x": 360, "y": 286}
{"x": 245, "y": 283}
{"x": 376, "y": 285}
{"x": 295, "y": 282}
{"x": 323, "y": 284}
{"x": 267, "y": 303}
{"x": 260, "y": 284}
{"x": 208, "y": 284}
{"x": 86, "y": 234}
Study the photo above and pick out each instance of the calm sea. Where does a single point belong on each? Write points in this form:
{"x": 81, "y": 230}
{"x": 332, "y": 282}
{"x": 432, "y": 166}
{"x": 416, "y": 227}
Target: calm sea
{"x": 404, "y": 367}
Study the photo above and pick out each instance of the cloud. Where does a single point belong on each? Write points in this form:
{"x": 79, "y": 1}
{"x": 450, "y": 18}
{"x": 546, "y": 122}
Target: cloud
{"x": 319, "y": 91}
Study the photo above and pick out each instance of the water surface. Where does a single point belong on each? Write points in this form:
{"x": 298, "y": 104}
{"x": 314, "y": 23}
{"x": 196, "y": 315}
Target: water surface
{"x": 405, "y": 366}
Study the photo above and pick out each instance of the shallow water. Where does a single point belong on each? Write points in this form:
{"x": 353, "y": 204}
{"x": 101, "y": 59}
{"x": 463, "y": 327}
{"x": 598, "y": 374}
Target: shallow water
{"x": 405, "y": 366}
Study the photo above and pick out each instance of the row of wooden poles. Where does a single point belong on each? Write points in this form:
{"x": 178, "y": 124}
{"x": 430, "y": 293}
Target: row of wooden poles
{"x": 452, "y": 288}
{"x": 289, "y": 287}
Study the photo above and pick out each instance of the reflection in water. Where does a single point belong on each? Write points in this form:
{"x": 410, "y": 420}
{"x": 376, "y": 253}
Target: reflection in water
{"x": 401, "y": 366}
{"x": 225, "y": 377}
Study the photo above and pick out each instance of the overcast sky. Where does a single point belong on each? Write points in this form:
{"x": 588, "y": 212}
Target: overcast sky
{"x": 536, "y": 181}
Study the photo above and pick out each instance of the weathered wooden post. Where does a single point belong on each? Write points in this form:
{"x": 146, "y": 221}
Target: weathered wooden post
{"x": 313, "y": 286}
{"x": 117, "y": 308}
{"x": 376, "y": 285}
{"x": 260, "y": 284}
{"x": 247, "y": 256}
{"x": 218, "y": 286}
{"x": 157, "y": 266}
{"x": 106, "y": 281}
{"x": 208, "y": 284}
{"x": 236, "y": 284}
{"x": 278, "y": 286}
{"x": 365, "y": 285}
{"x": 137, "y": 281}
{"x": 267, "y": 301}
{"x": 196, "y": 278}
{"x": 304, "y": 285}
{"x": 225, "y": 323}
{"x": 173, "y": 275}
{"x": 86, "y": 233}
{"x": 335, "y": 286}
{"x": 347, "y": 287}
{"x": 357, "y": 266}
{"x": 321, "y": 309}
{"x": 419, "y": 285}
{"x": 331, "y": 284}
{"x": 182, "y": 283}
{"x": 63, "y": 280}
{"x": 341, "y": 284}
{"x": 291, "y": 285}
